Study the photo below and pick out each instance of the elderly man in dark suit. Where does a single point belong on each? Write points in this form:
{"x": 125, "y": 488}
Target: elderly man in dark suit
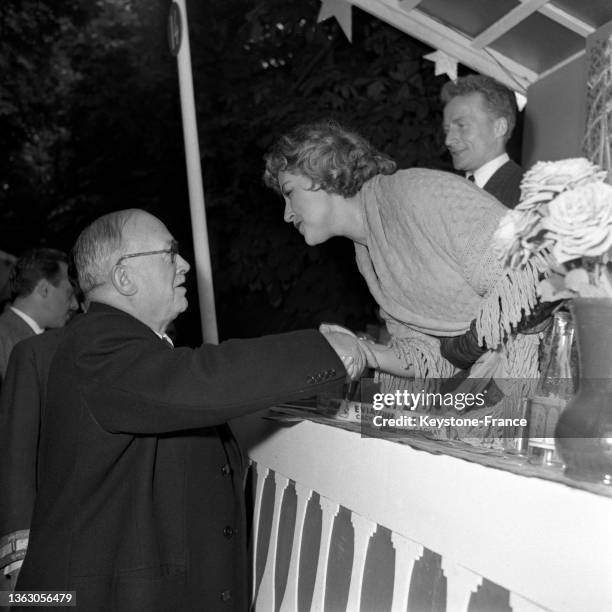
{"x": 479, "y": 117}
{"x": 139, "y": 504}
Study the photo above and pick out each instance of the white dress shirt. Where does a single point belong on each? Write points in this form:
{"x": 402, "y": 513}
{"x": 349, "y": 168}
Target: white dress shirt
{"x": 485, "y": 172}
{"x": 165, "y": 338}
{"x": 36, "y": 328}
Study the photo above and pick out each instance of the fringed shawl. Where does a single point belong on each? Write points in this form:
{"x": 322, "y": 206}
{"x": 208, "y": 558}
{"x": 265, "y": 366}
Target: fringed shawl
{"x": 429, "y": 263}
{"x": 429, "y": 260}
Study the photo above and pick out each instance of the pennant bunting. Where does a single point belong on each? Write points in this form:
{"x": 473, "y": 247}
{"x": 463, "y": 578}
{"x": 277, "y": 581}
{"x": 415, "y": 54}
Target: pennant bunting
{"x": 341, "y": 11}
{"x": 445, "y": 64}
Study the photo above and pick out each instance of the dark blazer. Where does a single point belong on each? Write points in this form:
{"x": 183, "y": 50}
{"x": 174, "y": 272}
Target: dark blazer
{"x": 13, "y": 329}
{"x": 505, "y": 184}
{"x": 140, "y": 503}
{"x": 21, "y": 413}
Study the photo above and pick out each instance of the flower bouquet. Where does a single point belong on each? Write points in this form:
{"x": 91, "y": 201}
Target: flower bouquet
{"x": 563, "y": 223}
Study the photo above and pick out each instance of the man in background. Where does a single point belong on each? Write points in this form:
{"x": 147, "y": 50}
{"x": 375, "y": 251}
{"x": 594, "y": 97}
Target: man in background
{"x": 22, "y": 403}
{"x": 42, "y": 298}
{"x": 479, "y": 117}
{"x": 140, "y": 503}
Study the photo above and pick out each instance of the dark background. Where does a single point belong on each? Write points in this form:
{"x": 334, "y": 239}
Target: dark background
{"x": 90, "y": 122}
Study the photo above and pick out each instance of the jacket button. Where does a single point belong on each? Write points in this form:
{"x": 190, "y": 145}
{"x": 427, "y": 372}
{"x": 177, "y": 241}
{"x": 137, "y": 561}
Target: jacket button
{"x": 226, "y": 470}
{"x": 333, "y": 372}
{"x": 226, "y": 595}
{"x": 228, "y": 532}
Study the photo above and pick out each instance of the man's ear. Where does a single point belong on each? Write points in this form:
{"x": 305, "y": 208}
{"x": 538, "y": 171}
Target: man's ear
{"x": 123, "y": 281}
{"x": 42, "y": 288}
{"x": 501, "y": 127}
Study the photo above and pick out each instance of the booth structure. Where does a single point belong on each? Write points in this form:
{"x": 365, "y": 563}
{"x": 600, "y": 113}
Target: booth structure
{"x": 346, "y": 522}
{"x": 556, "y": 53}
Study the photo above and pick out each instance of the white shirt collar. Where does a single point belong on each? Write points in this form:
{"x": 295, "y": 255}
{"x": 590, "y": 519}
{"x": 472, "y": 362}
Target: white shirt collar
{"x": 165, "y": 337}
{"x": 485, "y": 172}
{"x": 36, "y": 328}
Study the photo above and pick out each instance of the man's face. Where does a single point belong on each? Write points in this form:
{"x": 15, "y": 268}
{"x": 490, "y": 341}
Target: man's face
{"x": 473, "y": 136}
{"x": 159, "y": 277}
{"x": 60, "y": 302}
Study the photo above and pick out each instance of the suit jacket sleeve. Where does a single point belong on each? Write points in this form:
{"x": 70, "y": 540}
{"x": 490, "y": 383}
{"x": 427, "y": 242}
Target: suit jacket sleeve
{"x": 5, "y": 351}
{"x": 20, "y": 405}
{"x": 138, "y": 386}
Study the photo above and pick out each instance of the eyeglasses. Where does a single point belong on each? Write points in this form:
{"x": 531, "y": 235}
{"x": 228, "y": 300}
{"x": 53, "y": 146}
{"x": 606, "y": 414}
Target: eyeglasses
{"x": 172, "y": 251}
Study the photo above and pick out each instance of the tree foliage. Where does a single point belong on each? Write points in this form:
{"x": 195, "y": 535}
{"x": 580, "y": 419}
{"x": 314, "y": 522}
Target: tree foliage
{"x": 90, "y": 122}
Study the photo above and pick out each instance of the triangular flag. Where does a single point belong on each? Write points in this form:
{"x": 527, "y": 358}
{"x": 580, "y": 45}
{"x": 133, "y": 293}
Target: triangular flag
{"x": 521, "y": 100}
{"x": 445, "y": 64}
{"x": 341, "y": 10}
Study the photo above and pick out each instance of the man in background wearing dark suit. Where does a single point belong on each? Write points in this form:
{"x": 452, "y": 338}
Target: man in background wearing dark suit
{"x": 43, "y": 298}
{"x": 21, "y": 414}
{"x": 479, "y": 117}
{"x": 139, "y": 503}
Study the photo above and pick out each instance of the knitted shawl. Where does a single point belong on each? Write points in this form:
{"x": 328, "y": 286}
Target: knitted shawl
{"x": 429, "y": 263}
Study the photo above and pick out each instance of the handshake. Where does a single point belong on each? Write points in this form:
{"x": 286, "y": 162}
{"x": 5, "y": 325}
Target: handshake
{"x": 356, "y": 353}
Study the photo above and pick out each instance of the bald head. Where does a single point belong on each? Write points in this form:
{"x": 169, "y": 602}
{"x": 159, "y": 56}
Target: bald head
{"x": 140, "y": 231}
{"x": 98, "y": 246}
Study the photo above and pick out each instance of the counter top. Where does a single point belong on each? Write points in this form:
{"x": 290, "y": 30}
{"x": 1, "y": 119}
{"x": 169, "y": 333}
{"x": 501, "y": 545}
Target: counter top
{"x": 544, "y": 538}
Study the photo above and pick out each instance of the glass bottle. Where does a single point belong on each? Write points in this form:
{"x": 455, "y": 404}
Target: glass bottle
{"x": 554, "y": 390}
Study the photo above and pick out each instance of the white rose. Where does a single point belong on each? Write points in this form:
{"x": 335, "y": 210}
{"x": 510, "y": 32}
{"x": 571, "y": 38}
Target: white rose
{"x": 558, "y": 176}
{"x": 580, "y": 222}
{"x": 519, "y": 236}
{"x": 505, "y": 237}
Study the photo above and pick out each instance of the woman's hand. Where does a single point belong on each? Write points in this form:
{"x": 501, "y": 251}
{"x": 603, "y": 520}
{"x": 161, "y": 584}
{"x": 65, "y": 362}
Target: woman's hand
{"x": 349, "y": 347}
{"x": 377, "y": 356}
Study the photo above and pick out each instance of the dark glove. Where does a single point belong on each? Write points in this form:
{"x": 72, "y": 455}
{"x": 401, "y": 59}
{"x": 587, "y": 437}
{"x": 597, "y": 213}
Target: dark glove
{"x": 539, "y": 319}
{"x": 462, "y": 351}
{"x": 492, "y": 393}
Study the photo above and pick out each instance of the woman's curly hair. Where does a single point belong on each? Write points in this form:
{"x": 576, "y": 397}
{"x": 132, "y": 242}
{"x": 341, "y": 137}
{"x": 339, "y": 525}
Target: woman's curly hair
{"x": 333, "y": 158}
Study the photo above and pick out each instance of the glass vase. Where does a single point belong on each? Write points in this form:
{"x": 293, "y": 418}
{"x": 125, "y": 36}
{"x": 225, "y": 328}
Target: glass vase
{"x": 584, "y": 430}
{"x": 555, "y": 389}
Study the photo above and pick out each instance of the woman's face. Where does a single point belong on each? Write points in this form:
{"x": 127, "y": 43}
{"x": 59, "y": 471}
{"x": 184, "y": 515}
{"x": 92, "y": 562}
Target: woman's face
{"x": 309, "y": 210}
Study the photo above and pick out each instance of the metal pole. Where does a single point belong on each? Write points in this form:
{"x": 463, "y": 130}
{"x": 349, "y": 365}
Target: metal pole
{"x": 203, "y": 268}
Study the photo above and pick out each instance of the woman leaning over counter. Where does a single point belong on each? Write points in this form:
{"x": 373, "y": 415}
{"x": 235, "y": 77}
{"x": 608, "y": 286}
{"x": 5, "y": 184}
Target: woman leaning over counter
{"x": 423, "y": 243}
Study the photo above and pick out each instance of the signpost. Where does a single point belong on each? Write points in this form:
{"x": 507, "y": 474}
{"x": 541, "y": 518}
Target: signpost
{"x": 178, "y": 41}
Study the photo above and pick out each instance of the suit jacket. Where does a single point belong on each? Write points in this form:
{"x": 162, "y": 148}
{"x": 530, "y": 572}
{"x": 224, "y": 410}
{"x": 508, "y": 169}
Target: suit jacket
{"x": 12, "y": 330}
{"x": 505, "y": 184}
{"x": 21, "y": 413}
{"x": 140, "y": 503}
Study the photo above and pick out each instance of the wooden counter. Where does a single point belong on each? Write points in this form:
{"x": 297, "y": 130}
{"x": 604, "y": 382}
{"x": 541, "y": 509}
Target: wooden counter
{"x": 343, "y": 522}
